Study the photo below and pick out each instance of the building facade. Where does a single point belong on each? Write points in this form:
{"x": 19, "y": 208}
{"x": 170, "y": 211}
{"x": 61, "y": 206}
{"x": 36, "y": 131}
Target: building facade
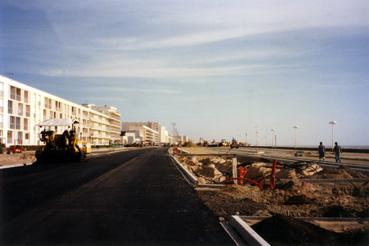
{"x": 164, "y": 135}
{"x": 143, "y": 132}
{"x": 23, "y": 108}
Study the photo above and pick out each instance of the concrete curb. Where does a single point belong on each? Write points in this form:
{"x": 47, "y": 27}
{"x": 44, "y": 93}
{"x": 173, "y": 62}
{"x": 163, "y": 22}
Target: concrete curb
{"x": 246, "y": 232}
{"x": 15, "y": 165}
{"x": 192, "y": 178}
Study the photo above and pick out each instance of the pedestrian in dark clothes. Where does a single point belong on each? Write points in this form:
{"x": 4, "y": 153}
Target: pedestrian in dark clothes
{"x": 321, "y": 150}
{"x": 337, "y": 152}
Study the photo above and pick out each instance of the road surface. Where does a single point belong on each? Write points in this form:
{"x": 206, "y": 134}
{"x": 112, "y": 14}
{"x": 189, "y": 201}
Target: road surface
{"x": 359, "y": 159}
{"x": 135, "y": 197}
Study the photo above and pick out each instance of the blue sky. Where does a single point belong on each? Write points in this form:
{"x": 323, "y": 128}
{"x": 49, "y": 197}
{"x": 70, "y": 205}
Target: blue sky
{"x": 218, "y": 69}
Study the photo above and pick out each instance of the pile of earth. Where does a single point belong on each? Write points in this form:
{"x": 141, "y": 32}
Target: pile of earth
{"x": 284, "y": 230}
{"x": 304, "y": 200}
{"x": 224, "y": 205}
{"x": 18, "y": 158}
{"x": 209, "y": 170}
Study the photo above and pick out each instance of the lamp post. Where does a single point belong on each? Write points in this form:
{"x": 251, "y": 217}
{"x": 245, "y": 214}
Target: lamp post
{"x": 256, "y": 137}
{"x": 332, "y": 123}
{"x": 272, "y": 130}
{"x": 296, "y": 127}
{"x": 246, "y": 138}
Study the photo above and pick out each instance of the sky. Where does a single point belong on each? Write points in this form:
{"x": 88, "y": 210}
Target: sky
{"x": 218, "y": 69}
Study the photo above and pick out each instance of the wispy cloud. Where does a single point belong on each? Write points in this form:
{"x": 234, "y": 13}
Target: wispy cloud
{"x": 121, "y": 89}
{"x": 170, "y": 72}
{"x": 277, "y": 56}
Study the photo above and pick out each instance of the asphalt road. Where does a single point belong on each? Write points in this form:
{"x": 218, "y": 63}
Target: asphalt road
{"x": 358, "y": 159}
{"x": 135, "y": 197}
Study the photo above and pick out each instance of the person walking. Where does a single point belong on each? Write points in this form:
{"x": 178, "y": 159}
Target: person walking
{"x": 321, "y": 150}
{"x": 337, "y": 152}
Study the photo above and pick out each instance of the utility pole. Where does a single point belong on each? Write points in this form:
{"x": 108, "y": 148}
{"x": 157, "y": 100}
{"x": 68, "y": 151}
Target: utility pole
{"x": 296, "y": 127}
{"x": 332, "y": 123}
{"x": 272, "y": 130}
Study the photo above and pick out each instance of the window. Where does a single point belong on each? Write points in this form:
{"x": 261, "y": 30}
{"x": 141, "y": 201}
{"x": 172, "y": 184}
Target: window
{"x": 1, "y": 89}
{"x": 12, "y": 92}
{"x": 26, "y": 96}
{"x": 25, "y": 124}
{"x": 18, "y": 94}
{"x": 20, "y": 109}
{"x": 47, "y": 103}
{"x": 10, "y": 107}
{"x": 10, "y": 137}
{"x": 26, "y": 136}
{"x": 18, "y": 123}
{"x": 12, "y": 122}
{"x": 20, "y": 138}
{"x": 44, "y": 113}
{"x": 28, "y": 111}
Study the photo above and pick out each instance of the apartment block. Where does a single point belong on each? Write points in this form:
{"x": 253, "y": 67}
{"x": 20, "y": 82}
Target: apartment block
{"x": 23, "y": 108}
{"x": 146, "y": 134}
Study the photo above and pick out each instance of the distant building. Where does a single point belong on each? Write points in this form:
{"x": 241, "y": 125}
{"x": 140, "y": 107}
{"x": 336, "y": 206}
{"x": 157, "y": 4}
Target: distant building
{"x": 131, "y": 137}
{"x": 153, "y": 125}
{"x": 184, "y": 139}
{"x": 113, "y": 121}
{"x": 146, "y": 134}
{"x": 164, "y": 135}
{"x": 23, "y": 108}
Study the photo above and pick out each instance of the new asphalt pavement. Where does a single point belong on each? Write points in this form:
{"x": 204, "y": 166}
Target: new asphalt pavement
{"x": 134, "y": 197}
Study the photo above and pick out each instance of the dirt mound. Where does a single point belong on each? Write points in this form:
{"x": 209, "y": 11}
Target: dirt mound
{"x": 337, "y": 211}
{"x": 298, "y": 199}
{"x": 224, "y": 205}
{"x": 340, "y": 173}
{"x": 287, "y": 230}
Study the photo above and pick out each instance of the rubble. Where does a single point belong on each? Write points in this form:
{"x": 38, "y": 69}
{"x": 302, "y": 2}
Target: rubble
{"x": 18, "y": 158}
{"x": 284, "y": 230}
{"x": 208, "y": 170}
{"x": 293, "y": 196}
{"x": 312, "y": 169}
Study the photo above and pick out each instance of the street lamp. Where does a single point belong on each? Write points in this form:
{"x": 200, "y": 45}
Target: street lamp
{"x": 296, "y": 127}
{"x": 332, "y": 123}
{"x": 246, "y": 138}
{"x": 256, "y": 137}
{"x": 272, "y": 130}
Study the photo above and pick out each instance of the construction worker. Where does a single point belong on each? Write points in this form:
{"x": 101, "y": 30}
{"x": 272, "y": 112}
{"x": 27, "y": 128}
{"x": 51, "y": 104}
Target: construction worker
{"x": 321, "y": 150}
{"x": 337, "y": 152}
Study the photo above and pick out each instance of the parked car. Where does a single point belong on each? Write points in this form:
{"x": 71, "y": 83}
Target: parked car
{"x": 234, "y": 144}
{"x": 14, "y": 149}
{"x": 299, "y": 153}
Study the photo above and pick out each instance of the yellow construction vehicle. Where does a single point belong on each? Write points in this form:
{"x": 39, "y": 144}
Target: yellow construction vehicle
{"x": 61, "y": 142}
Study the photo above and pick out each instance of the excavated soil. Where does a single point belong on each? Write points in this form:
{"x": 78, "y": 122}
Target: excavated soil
{"x": 18, "y": 158}
{"x": 283, "y": 230}
{"x": 293, "y": 197}
{"x": 305, "y": 200}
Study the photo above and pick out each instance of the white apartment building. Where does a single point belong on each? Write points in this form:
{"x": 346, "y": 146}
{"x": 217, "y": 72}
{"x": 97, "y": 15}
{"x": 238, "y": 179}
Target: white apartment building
{"x": 164, "y": 135}
{"x": 145, "y": 133}
{"x": 23, "y": 108}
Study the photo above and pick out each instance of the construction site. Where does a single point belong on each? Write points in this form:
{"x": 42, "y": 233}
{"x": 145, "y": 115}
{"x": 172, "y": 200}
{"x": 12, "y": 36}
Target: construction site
{"x": 285, "y": 200}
